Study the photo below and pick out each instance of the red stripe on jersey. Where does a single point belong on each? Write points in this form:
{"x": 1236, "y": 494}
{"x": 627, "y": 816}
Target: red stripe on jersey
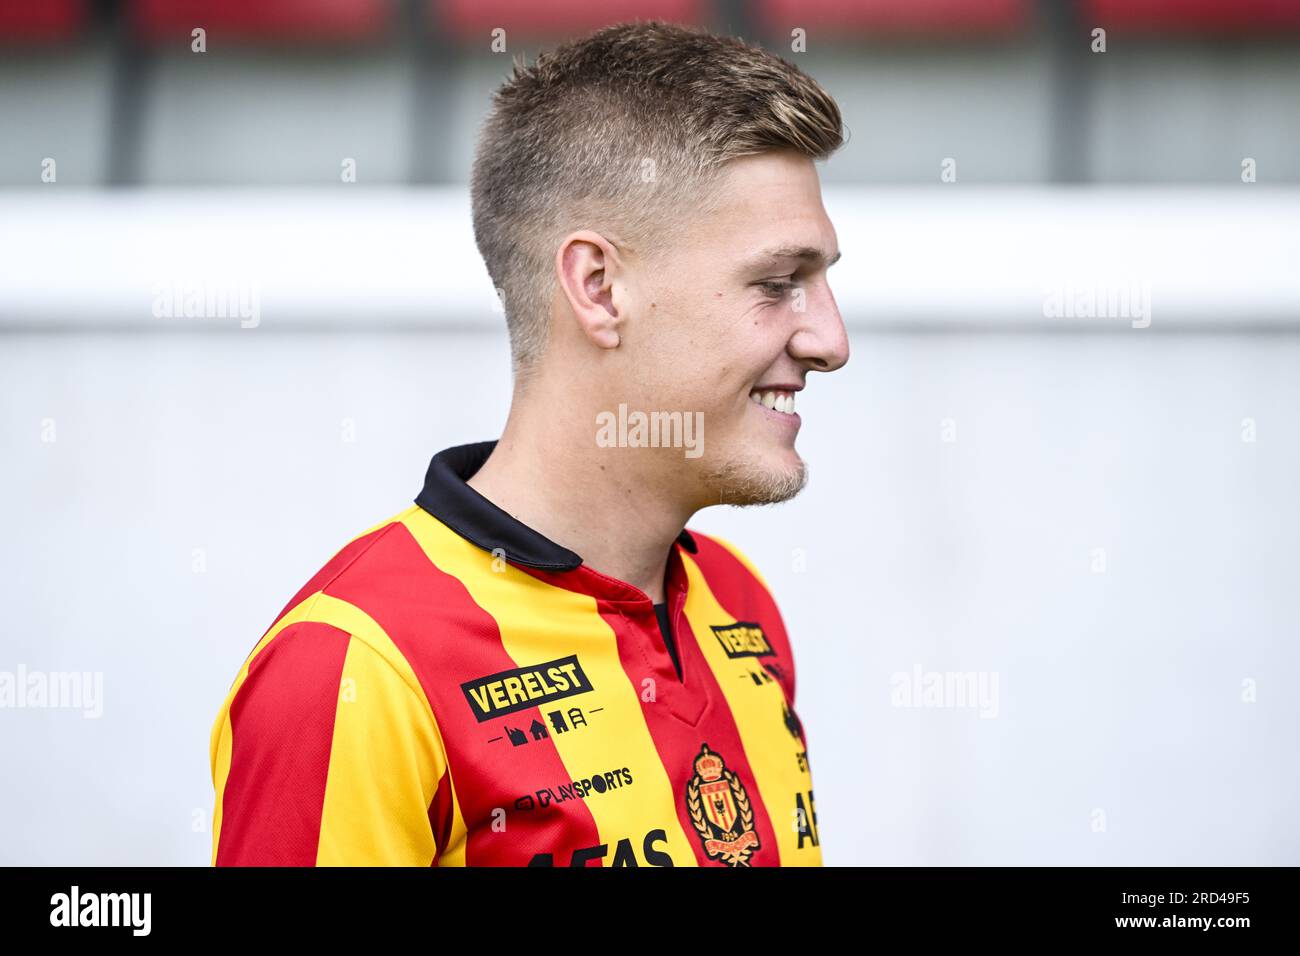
{"x": 403, "y": 591}
{"x": 271, "y": 807}
{"x": 346, "y": 555}
{"x": 440, "y": 814}
{"x": 671, "y": 732}
{"x": 676, "y": 736}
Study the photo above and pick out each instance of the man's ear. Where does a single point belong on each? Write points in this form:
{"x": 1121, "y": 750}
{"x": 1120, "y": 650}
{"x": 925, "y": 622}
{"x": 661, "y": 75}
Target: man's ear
{"x": 586, "y": 268}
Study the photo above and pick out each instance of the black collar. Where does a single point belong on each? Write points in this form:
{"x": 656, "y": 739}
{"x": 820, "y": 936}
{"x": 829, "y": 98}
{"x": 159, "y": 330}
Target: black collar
{"x": 446, "y": 496}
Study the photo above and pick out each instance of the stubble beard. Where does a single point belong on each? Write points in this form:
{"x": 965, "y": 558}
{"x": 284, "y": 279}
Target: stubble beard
{"x": 742, "y": 481}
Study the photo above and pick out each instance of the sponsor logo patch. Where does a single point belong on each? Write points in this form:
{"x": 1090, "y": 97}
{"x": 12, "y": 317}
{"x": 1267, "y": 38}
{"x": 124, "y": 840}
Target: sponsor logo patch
{"x": 576, "y": 789}
{"x": 742, "y": 639}
{"x": 524, "y": 687}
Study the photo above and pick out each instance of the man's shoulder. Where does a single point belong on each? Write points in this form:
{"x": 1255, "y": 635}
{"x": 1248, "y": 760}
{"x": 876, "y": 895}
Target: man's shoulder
{"x": 375, "y": 573}
{"x": 721, "y": 558}
{"x": 354, "y": 550}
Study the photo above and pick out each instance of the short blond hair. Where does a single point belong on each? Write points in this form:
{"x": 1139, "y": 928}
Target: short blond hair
{"x": 622, "y": 132}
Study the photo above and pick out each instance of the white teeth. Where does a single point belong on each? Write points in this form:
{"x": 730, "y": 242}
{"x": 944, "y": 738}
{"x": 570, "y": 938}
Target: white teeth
{"x": 777, "y": 401}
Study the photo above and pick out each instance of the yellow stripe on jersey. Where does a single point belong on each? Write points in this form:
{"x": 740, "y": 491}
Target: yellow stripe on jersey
{"x": 385, "y": 523}
{"x": 386, "y": 754}
{"x": 386, "y": 750}
{"x": 219, "y": 746}
{"x": 571, "y": 624}
{"x": 759, "y": 718}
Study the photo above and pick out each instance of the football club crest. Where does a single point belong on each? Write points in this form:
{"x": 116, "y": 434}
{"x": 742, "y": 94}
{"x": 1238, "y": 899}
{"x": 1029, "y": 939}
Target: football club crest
{"x": 720, "y": 810}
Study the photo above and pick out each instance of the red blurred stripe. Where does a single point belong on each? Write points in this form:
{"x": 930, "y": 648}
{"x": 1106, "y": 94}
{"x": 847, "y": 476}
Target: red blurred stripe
{"x": 473, "y": 20}
{"x": 896, "y": 16}
{"x": 262, "y": 20}
{"x": 1192, "y": 16}
{"x": 41, "y": 21}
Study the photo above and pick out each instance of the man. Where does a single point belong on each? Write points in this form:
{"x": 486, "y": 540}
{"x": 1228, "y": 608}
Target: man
{"x": 536, "y": 664}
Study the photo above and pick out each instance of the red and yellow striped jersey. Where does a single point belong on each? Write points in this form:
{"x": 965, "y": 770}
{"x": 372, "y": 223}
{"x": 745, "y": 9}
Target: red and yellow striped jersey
{"x": 454, "y": 689}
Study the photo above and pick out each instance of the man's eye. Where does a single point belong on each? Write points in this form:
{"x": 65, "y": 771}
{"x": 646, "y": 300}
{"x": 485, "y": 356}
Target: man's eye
{"x": 775, "y": 288}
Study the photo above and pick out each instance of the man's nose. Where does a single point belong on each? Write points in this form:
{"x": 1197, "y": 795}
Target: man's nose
{"x": 821, "y": 343}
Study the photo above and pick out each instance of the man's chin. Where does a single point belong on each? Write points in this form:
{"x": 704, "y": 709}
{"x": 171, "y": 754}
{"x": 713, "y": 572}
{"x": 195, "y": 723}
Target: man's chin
{"x": 754, "y": 483}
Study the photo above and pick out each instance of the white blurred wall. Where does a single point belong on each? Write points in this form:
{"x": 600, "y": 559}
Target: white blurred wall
{"x": 1118, "y": 691}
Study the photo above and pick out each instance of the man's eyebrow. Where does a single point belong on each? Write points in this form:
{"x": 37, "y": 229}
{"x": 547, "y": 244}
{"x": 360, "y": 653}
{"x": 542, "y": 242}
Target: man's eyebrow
{"x": 809, "y": 254}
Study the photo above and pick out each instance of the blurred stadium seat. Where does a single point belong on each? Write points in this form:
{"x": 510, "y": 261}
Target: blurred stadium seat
{"x": 473, "y": 20}
{"x": 113, "y": 91}
{"x": 281, "y": 21}
{"x": 48, "y": 21}
{"x": 862, "y": 19}
{"x": 1200, "y": 17}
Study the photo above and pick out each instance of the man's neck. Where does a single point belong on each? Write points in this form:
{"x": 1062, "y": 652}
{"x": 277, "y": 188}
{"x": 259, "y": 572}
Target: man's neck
{"x": 588, "y": 499}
